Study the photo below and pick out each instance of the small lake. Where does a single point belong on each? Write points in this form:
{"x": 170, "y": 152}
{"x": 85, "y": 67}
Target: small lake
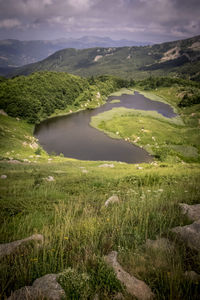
{"x": 74, "y": 137}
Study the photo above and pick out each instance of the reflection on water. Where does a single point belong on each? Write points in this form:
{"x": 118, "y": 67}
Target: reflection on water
{"x": 74, "y": 137}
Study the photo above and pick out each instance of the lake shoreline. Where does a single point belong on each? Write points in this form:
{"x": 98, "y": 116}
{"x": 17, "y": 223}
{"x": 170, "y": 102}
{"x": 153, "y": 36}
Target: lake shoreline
{"x": 90, "y": 144}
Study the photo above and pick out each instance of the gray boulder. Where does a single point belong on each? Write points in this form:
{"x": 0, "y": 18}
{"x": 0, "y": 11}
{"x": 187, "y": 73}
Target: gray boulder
{"x": 191, "y": 211}
{"x": 45, "y": 287}
{"x": 192, "y": 276}
{"x": 189, "y": 234}
{"x": 111, "y": 200}
{"x": 135, "y": 287}
{"x": 9, "y": 248}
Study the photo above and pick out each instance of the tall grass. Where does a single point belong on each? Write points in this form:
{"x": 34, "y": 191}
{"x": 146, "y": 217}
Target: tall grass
{"x": 78, "y": 228}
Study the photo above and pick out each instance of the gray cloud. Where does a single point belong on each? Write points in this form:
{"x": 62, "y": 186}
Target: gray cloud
{"x": 149, "y": 20}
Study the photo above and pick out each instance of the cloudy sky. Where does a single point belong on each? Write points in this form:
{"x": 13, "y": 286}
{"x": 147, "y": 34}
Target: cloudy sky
{"x": 139, "y": 20}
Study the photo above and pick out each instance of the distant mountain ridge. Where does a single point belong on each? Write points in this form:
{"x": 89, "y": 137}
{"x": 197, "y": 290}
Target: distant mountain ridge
{"x": 178, "y": 58}
{"x": 15, "y": 53}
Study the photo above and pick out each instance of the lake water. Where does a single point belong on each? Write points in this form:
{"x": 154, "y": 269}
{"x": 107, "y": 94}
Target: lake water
{"x": 74, "y": 137}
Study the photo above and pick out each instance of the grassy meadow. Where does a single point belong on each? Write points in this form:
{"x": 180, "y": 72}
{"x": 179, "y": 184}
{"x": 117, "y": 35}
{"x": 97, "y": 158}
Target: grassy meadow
{"x": 79, "y": 230}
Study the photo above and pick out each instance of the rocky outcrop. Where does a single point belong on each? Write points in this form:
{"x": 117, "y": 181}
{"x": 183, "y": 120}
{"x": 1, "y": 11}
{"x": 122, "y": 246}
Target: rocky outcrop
{"x": 135, "y": 287}
{"x": 111, "y": 200}
{"x": 189, "y": 234}
{"x": 192, "y": 276}
{"x": 191, "y": 211}
{"x": 45, "y": 287}
{"x": 10, "y": 248}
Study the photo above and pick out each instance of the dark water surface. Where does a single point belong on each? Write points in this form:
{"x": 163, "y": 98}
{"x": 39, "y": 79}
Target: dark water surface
{"x": 74, "y": 137}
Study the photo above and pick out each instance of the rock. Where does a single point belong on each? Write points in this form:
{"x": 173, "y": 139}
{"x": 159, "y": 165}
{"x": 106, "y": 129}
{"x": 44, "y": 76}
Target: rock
{"x": 191, "y": 211}
{"x": 14, "y": 161}
{"x": 106, "y": 166}
{"x": 50, "y": 178}
{"x": 134, "y": 286}
{"x": 193, "y": 276}
{"x": 25, "y": 144}
{"x": 3, "y": 176}
{"x": 26, "y": 160}
{"x": 3, "y": 113}
{"x": 140, "y": 168}
{"x": 112, "y": 199}
{"x": 119, "y": 296}
{"x": 162, "y": 244}
{"x": 33, "y": 145}
{"x": 190, "y": 234}
{"x": 9, "y": 248}
{"x": 45, "y": 287}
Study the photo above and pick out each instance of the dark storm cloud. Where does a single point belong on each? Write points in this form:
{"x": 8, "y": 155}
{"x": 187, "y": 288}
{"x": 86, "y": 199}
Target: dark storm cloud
{"x": 150, "y": 20}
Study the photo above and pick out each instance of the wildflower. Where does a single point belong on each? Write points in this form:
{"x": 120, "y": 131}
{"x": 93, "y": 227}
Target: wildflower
{"x": 108, "y": 219}
{"x": 66, "y": 238}
{"x": 34, "y": 259}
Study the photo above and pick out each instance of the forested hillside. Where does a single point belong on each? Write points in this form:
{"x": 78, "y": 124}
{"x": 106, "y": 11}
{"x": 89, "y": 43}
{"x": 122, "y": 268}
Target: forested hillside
{"x": 179, "y": 58}
{"x": 37, "y": 96}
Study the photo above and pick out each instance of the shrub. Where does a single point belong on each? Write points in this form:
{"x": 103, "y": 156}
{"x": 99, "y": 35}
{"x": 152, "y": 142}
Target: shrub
{"x": 76, "y": 285}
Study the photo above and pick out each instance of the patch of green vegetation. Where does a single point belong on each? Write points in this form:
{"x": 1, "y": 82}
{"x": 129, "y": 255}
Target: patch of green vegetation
{"x": 141, "y": 127}
{"x": 16, "y": 138}
{"x": 123, "y": 91}
{"x": 39, "y": 95}
{"x": 75, "y": 285}
{"x": 100, "y": 279}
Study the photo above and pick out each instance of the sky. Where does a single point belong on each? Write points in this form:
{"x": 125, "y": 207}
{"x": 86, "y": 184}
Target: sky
{"x": 135, "y": 20}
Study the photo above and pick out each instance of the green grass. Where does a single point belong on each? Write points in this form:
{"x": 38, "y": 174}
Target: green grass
{"x": 115, "y": 101}
{"x": 70, "y": 213}
{"x": 123, "y": 91}
{"x": 79, "y": 230}
{"x": 169, "y": 139}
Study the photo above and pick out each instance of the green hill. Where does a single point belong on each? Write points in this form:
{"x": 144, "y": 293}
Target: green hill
{"x": 15, "y": 53}
{"x": 178, "y": 58}
{"x": 38, "y": 95}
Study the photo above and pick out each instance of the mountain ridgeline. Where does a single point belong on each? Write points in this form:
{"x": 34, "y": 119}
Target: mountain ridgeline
{"x": 179, "y": 58}
{"x": 15, "y": 53}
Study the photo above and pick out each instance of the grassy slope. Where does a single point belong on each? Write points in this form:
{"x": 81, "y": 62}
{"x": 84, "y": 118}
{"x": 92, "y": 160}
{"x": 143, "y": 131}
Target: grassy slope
{"x": 177, "y": 138}
{"x": 78, "y": 228}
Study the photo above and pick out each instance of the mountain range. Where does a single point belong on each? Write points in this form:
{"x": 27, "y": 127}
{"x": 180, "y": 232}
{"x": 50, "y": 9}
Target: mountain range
{"x": 15, "y": 53}
{"x": 178, "y": 58}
